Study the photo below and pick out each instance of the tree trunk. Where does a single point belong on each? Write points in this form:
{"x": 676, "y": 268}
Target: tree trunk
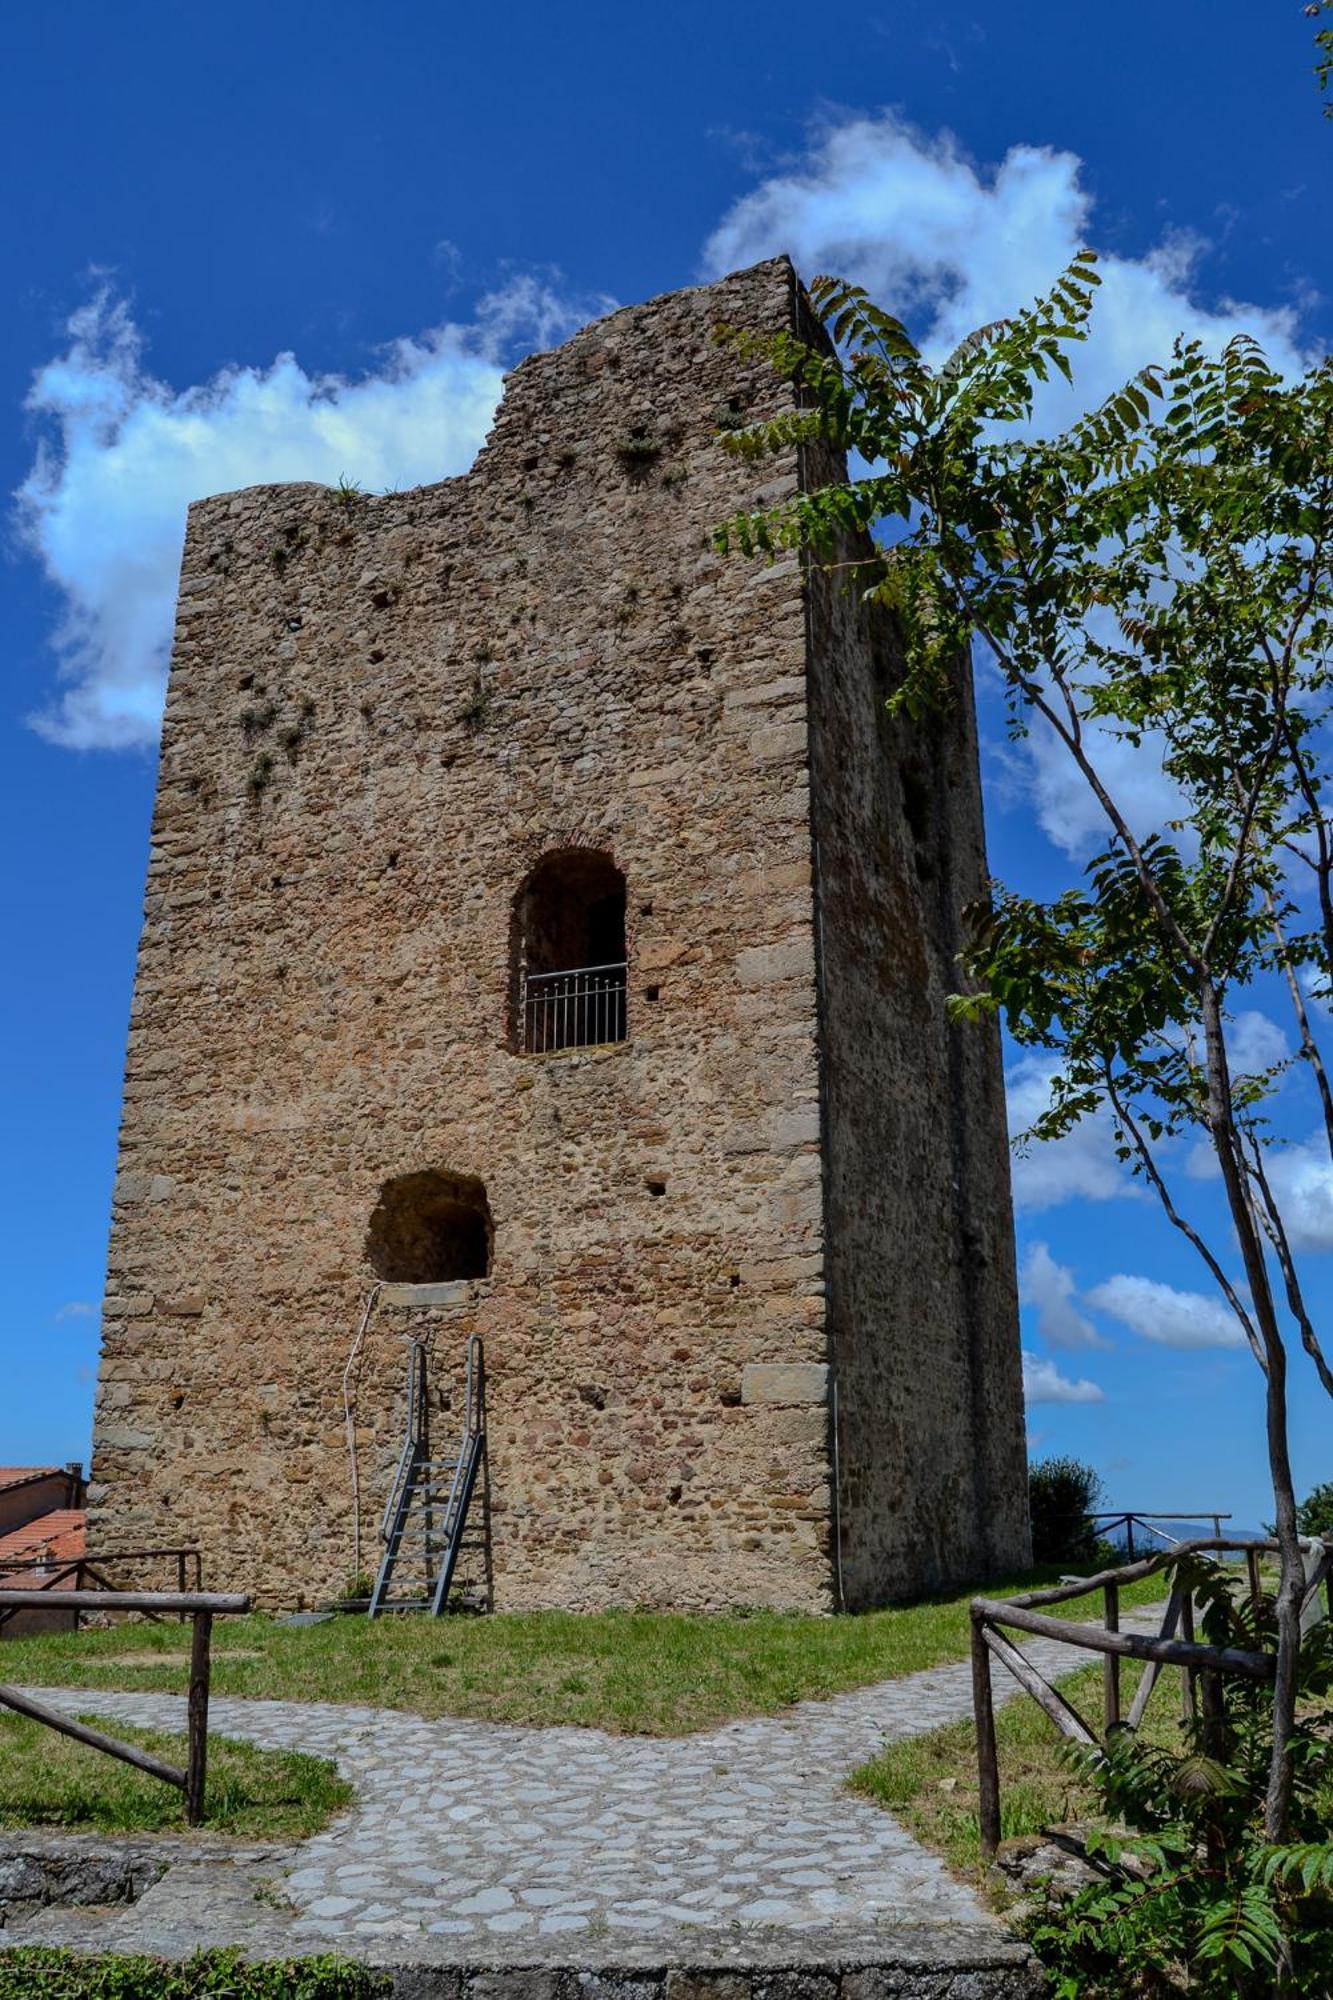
{"x": 1227, "y": 1145}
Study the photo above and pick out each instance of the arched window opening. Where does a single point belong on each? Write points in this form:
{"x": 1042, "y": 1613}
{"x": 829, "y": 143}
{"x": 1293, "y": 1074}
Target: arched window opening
{"x": 569, "y": 954}
{"x": 429, "y": 1229}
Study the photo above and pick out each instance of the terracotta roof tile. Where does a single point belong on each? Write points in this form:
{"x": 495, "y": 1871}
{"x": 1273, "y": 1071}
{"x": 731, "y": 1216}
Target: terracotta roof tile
{"x": 61, "y": 1535}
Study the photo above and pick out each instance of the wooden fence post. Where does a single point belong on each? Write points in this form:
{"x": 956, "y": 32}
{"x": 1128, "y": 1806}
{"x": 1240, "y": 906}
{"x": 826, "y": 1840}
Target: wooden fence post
{"x": 196, "y": 1768}
{"x": 1186, "y": 1672}
{"x": 988, "y": 1759}
{"x": 1111, "y": 1661}
{"x": 1256, "y": 1581}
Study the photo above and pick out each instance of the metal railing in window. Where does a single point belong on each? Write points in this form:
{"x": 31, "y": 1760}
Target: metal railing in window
{"x": 580, "y": 1009}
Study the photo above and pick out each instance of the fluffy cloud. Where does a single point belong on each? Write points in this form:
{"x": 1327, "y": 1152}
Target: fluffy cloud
{"x": 1160, "y": 1313}
{"x": 123, "y": 454}
{"x": 1043, "y": 1383}
{"x": 1256, "y": 1043}
{"x": 1301, "y": 1178}
{"x": 949, "y": 246}
{"x": 1049, "y": 1289}
{"x": 1081, "y": 1166}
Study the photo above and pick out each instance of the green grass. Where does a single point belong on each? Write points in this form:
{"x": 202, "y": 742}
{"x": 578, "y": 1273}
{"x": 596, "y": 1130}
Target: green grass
{"x": 646, "y": 1673}
{"x": 35, "y": 1972}
{"x": 930, "y": 1782}
{"x": 49, "y": 1780}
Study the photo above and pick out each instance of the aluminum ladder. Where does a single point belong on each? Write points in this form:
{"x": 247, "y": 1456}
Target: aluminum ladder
{"x": 426, "y": 1515}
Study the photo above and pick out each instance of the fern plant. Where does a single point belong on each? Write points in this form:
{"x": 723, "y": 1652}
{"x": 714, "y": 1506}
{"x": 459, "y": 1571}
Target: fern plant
{"x": 1193, "y": 1898}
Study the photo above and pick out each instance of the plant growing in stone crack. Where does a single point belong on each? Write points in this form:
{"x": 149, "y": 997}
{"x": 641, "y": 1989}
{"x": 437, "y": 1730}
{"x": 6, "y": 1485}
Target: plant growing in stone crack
{"x": 261, "y": 775}
{"x": 637, "y": 453}
{"x": 257, "y": 718}
{"x": 473, "y": 712}
{"x": 348, "y": 495}
{"x": 730, "y": 416}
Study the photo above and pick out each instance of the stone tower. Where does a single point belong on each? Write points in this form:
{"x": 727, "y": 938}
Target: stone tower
{"x": 546, "y": 925}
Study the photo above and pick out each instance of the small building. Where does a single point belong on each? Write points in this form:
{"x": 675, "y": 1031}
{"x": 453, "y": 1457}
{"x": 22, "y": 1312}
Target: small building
{"x": 43, "y": 1533}
{"x": 547, "y": 939}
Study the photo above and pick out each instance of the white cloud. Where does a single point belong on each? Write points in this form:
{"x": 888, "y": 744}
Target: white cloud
{"x": 122, "y": 455}
{"x": 1081, "y": 1166}
{"x": 949, "y": 246}
{"x": 1171, "y": 1318}
{"x": 1049, "y": 1289}
{"x": 78, "y": 1309}
{"x": 1255, "y": 1043}
{"x": 1043, "y": 1383}
{"x": 1301, "y": 1178}
{"x": 1067, "y": 809}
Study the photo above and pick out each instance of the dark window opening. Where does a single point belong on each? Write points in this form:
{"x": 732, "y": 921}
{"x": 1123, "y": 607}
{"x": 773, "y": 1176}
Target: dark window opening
{"x": 429, "y": 1229}
{"x": 569, "y": 958}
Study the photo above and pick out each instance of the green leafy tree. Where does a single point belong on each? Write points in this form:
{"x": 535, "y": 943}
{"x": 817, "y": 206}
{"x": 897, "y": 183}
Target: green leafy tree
{"x": 1314, "y": 1516}
{"x": 1160, "y": 573}
{"x": 1193, "y": 1897}
{"x": 1062, "y": 1493}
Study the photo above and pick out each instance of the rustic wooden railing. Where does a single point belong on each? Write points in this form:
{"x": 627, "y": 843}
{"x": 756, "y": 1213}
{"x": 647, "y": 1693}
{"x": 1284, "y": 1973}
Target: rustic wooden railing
{"x": 89, "y": 1573}
{"x": 1203, "y": 1668}
{"x": 196, "y": 1605}
{"x": 1146, "y": 1519}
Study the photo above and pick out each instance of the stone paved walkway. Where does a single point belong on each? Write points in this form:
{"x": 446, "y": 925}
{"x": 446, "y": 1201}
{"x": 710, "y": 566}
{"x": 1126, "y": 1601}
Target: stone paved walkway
{"x": 472, "y": 1835}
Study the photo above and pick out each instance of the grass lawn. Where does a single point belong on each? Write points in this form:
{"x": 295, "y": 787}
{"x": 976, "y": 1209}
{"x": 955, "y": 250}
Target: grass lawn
{"x": 49, "y": 1780}
{"x": 646, "y": 1673}
{"x": 930, "y": 1782}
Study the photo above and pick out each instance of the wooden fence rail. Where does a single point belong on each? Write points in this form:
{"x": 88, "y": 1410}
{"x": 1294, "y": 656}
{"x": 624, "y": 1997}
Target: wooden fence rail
{"x": 1147, "y": 1519}
{"x": 89, "y": 1572}
{"x": 201, "y": 1608}
{"x": 1203, "y": 1668}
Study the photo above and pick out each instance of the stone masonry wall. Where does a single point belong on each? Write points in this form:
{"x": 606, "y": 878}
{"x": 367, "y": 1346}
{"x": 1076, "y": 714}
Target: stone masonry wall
{"x": 383, "y": 712}
{"x": 922, "y": 1289}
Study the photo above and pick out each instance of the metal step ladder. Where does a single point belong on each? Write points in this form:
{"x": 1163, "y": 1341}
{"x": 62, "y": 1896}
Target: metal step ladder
{"x": 425, "y": 1524}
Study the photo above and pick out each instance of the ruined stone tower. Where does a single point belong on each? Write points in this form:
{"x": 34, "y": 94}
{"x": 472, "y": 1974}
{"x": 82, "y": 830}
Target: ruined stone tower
{"x": 546, "y": 924}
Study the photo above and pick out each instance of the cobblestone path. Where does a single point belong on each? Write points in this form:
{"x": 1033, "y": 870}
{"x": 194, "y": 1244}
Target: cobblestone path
{"x": 474, "y": 1833}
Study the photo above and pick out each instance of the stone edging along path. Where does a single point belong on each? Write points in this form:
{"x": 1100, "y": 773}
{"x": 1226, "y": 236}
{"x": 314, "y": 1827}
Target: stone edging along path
{"x": 548, "y": 1846}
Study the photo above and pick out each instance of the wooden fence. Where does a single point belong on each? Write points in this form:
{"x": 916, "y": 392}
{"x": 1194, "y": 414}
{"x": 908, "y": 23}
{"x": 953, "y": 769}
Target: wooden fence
{"x": 1203, "y": 1668}
{"x": 89, "y": 1573}
{"x": 196, "y": 1605}
{"x": 1147, "y": 1522}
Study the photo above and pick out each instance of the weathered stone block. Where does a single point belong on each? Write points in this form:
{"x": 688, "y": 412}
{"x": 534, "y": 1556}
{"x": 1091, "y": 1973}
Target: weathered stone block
{"x": 784, "y": 1382}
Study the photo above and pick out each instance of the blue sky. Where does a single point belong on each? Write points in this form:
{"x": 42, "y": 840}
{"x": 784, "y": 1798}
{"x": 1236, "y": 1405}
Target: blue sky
{"x": 302, "y": 240}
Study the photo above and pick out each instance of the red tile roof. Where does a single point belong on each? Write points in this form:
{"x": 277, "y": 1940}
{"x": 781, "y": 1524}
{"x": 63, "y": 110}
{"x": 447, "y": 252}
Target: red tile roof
{"x": 60, "y": 1536}
{"x": 19, "y": 1475}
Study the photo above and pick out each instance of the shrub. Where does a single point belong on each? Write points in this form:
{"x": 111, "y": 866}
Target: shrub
{"x": 1061, "y": 1496}
{"x": 1193, "y": 1900}
{"x": 30, "y": 1972}
{"x": 1314, "y": 1516}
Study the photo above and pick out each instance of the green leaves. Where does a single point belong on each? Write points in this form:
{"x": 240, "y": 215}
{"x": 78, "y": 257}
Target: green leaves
{"x": 1192, "y": 1898}
{"x": 1158, "y": 579}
